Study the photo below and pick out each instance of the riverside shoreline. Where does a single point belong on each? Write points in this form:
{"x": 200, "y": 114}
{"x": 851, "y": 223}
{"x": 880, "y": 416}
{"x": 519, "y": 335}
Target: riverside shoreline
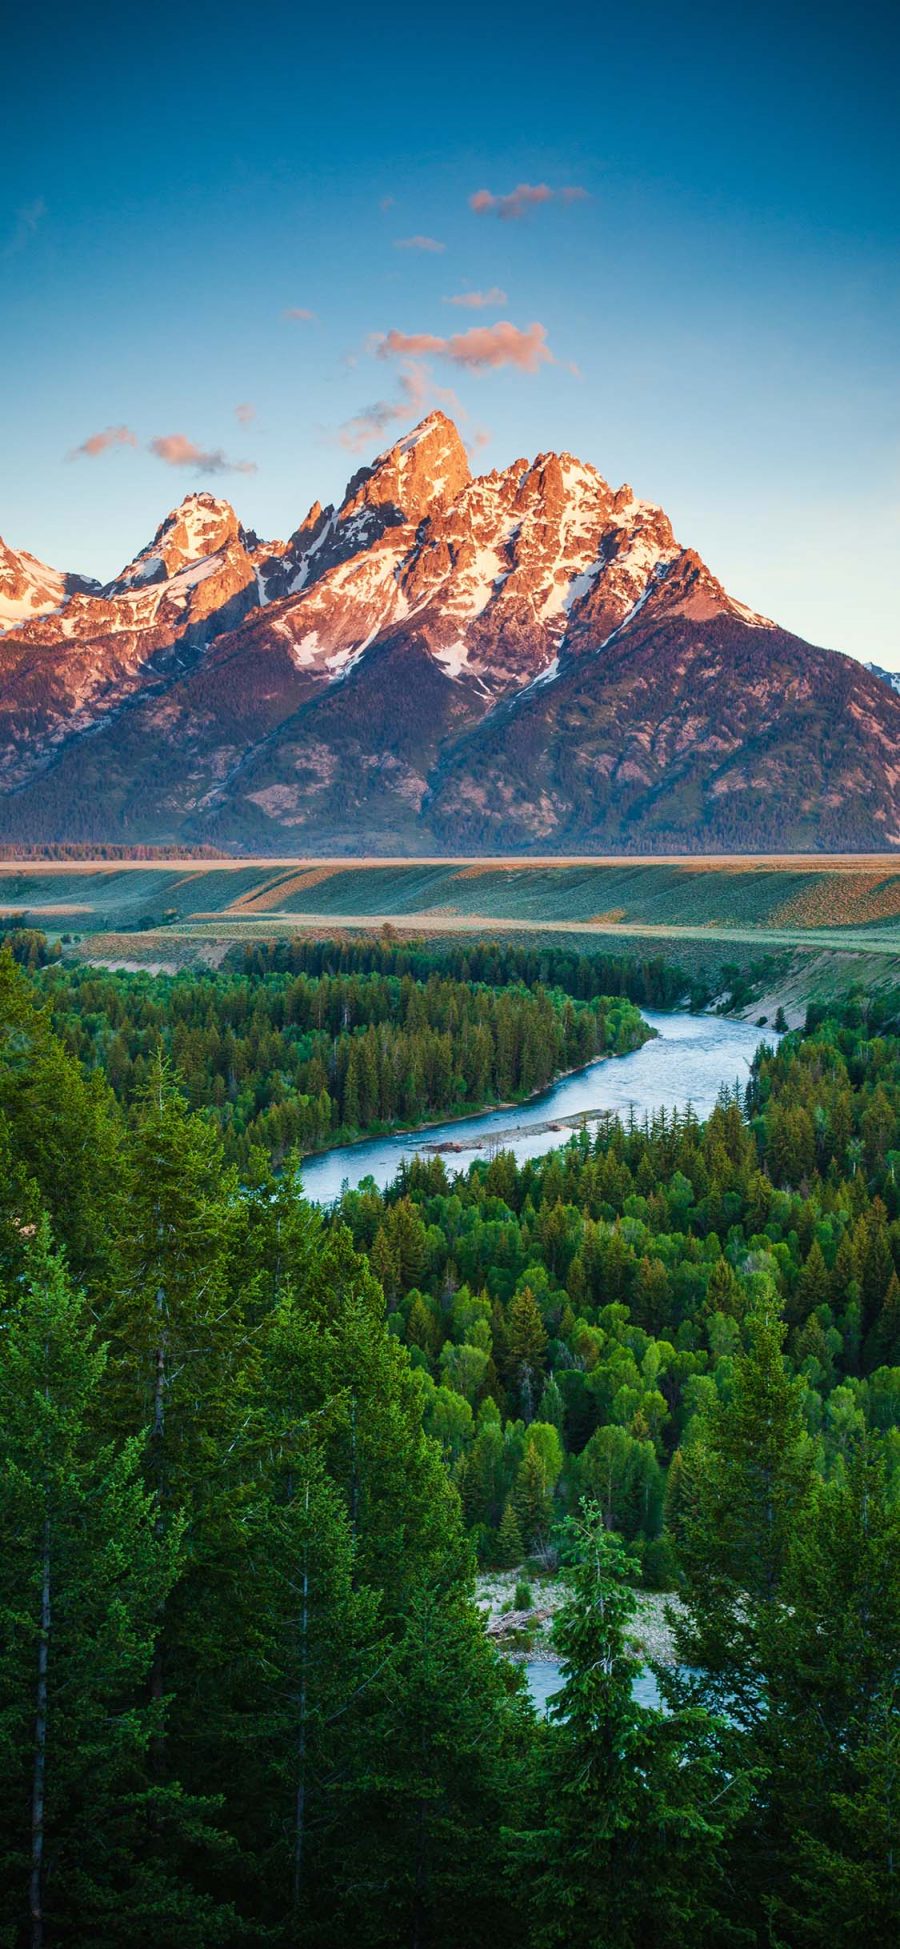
{"x": 650, "y": 1628}
{"x": 495, "y": 1109}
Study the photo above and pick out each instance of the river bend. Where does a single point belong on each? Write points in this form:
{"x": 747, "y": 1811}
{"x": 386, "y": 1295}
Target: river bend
{"x": 687, "y": 1061}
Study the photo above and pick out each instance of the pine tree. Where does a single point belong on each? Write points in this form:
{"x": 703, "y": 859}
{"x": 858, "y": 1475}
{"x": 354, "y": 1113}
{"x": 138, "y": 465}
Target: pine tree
{"x": 883, "y": 1343}
{"x": 509, "y": 1549}
{"x": 177, "y": 1334}
{"x": 627, "y": 1850}
{"x": 434, "y": 1775}
{"x": 64, "y": 1128}
{"x": 83, "y": 1574}
{"x": 175, "y": 1319}
{"x": 308, "y": 1644}
{"x": 552, "y": 1406}
{"x": 742, "y": 1484}
{"x": 526, "y": 1347}
{"x": 532, "y": 1500}
{"x": 834, "y": 1660}
{"x": 812, "y": 1286}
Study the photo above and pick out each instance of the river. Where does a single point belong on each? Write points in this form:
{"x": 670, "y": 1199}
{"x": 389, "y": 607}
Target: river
{"x": 687, "y": 1061}
{"x": 544, "y": 1678}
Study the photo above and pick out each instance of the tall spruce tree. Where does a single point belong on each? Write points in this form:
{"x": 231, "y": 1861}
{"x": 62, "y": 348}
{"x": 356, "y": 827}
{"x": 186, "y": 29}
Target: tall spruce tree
{"x": 435, "y": 1774}
{"x": 744, "y": 1486}
{"x": 64, "y": 1129}
{"x": 305, "y": 1639}
{"x": 835, "y": 1664}
{"x": 92, "y": 1850}
{"x": 177, "y": 1340}
{"x": 632, "y": 1807}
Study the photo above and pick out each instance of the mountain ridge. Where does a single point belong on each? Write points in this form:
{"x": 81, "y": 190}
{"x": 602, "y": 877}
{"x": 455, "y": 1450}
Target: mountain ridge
{"x": 442, "y": 661}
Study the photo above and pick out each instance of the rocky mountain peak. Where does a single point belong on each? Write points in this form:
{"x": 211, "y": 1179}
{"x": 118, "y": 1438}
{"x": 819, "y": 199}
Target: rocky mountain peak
{"x": 424, "y": 471}
{"x": 202, "y": 525}
{"x": 29, "y": 588}
{"x": 521, "y": 657}
{"x": 890, "y": 677}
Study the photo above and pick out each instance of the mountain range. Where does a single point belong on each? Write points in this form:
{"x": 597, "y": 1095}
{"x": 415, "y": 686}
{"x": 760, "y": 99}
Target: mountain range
{"x": 522, "y": 661}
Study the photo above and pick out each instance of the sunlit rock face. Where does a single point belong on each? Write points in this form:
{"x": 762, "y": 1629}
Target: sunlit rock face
{"x": 526, "y": 659}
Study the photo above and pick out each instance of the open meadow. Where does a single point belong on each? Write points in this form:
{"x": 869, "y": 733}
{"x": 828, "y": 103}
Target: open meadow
{"x": 804, "y": 926}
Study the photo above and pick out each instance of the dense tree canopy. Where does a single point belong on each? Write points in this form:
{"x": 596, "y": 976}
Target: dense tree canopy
{"x": 281, "y": 1059}
{"x": 249, "y": 1453}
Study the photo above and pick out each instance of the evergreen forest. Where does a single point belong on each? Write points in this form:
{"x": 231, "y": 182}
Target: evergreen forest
{"x": 253, "y": 1455}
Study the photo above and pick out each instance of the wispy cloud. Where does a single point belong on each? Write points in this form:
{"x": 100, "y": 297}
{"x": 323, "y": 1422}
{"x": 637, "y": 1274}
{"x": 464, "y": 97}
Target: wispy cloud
{"x": 526, "y": 196}
{"x": 416, "y": 394}
{"x": 301, "y": 312}
{"x": 478, "y": 300}
{"x": 96, "y": 443}
{"x": 24, "y": 227}
{"x": 178, "y": 451}
{"x": 483, "y": 348}
{"x": 418, "y": 243}
{"x": 245, "y": 413}
{"x": 371, "y": 421}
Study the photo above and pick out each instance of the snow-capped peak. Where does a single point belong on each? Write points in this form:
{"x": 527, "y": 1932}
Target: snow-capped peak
{"x": 202, "y": 525}
{"x": 29, "y": 588}
{"x": 890, "y": 677}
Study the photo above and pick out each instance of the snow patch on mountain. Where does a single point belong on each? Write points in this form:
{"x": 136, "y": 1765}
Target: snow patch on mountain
{"x": 890, "y": 677}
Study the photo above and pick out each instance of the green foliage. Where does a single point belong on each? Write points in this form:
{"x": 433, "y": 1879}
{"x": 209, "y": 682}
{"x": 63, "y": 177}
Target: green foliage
{"x": 615, "y": 1770}
{"x": 836, "y": 1734}
{"x": 282, "y": 1059}
{"x": 743, "y": 1486}
{"x": 83, "y": 1573}
{"x": 245, "y": 1695}
{"x": 607, "y": 1289}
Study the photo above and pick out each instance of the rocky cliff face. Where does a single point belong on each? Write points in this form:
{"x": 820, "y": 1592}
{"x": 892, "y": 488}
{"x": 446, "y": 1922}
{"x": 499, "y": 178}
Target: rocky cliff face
{"x": 526, "y": 659}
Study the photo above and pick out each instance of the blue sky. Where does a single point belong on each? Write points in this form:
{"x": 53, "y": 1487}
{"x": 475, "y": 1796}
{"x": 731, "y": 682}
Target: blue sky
{"x": 721, "y": 307}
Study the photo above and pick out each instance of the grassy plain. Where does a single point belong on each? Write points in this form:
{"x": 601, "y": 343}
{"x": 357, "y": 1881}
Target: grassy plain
{"x": 811, "y": 925}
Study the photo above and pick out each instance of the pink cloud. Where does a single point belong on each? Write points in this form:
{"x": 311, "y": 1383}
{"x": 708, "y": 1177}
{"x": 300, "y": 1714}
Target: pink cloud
{"x": 301, "y": 312}
{"x": 478, "y": 300}
{"x": 178, "y": 451}
{"x": 245, "y": 413}
{"x": 524, "y": 197}
{"x": 484, "y": 347}
{"x": 112, "y": 436}
{"x": 418, "y": 243}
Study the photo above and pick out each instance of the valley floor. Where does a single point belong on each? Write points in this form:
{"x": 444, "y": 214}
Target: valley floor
{"x": 799, "y": 926}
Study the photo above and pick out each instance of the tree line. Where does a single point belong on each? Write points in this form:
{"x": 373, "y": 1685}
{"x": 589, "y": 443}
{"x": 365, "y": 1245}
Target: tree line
{"x": 284, "y": 1060}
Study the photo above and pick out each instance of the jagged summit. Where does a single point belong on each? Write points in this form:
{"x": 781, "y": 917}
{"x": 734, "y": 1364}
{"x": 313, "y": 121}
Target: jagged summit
{"x": 29, "y": 588}
{"x": 427, "y": 469}
{"x": 202, "y": 525}
{"x": 526, "y": 657}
